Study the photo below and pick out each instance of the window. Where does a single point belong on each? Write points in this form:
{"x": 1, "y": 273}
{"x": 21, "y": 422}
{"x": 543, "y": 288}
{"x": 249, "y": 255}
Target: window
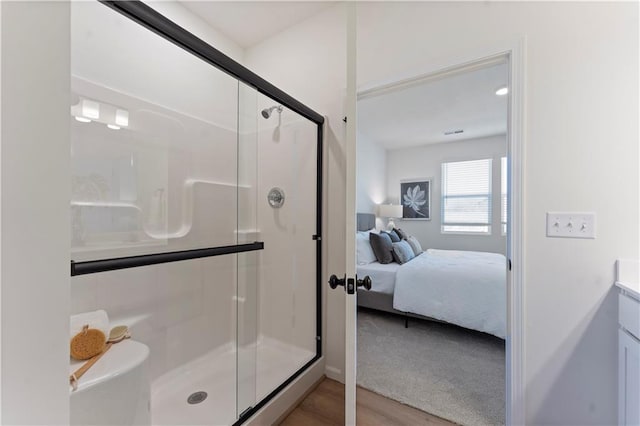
{"x": 503, "y": 195}
{"x": 466, "y": 197}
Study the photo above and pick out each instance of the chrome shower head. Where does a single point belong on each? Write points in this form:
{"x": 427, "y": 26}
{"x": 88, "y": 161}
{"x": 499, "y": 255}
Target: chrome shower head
{"x": 266, "y": 113}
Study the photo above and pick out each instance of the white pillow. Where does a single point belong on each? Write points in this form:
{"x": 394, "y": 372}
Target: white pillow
{"x": 364, "y": 252}
{"x": 366, "y": 233}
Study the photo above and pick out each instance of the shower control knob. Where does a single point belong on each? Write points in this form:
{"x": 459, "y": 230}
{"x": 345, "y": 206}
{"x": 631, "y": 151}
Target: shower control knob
{"x": 334, "y": 281}
{"x": 365, "y": 282}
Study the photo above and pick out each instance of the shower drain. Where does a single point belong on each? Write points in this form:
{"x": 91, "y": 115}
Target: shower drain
{"x": 197, "y": 397}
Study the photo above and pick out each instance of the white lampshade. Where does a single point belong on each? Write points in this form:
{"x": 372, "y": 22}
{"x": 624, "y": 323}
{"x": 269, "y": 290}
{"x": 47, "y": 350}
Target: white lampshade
{"x": 390, "y": 210}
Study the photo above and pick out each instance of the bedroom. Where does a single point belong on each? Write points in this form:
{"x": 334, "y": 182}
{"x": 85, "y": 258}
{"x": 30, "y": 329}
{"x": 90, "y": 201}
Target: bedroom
{"x": 432, "y": 162}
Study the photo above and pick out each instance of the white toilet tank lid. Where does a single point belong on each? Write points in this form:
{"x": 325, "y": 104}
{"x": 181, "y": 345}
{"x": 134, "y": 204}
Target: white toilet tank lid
{"x": 120, "y": 358}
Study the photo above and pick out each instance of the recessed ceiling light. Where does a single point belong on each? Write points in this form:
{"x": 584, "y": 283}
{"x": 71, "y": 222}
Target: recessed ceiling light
{"x": 113, "y": 127}
{"x": 502, "y": 91}
{"x": 82, "y": 119}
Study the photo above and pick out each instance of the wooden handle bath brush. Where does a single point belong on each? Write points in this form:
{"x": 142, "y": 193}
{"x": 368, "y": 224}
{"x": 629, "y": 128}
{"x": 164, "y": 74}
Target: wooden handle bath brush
{"x": 88, "y": 343}
{"x": 116, "y": 335}
{"x": 73, "y": 379}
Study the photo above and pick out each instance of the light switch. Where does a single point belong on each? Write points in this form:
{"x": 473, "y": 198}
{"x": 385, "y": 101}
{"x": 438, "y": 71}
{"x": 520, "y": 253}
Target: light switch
{"x": 571, "y": 225}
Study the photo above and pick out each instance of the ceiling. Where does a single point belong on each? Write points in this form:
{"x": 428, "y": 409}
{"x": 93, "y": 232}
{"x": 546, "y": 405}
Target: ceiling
{"x": 248, "y": 23}
{"x": 420, "y": 113}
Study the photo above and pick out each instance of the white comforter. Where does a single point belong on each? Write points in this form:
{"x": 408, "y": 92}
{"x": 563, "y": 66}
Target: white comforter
{"x": 466, "y": 288}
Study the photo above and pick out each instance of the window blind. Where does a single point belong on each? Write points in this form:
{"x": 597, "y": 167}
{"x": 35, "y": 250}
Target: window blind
{"x": 466, "y": 196}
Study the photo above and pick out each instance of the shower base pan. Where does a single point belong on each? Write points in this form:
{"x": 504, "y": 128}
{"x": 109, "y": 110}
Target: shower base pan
{"x": 215, "y": 374}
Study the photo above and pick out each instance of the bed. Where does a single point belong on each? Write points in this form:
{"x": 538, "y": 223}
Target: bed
{"x": 464, "y": 288}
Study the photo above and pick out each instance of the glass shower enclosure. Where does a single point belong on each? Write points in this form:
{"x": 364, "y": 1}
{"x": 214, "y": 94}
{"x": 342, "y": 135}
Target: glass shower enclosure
{"x": 195, "y": 212}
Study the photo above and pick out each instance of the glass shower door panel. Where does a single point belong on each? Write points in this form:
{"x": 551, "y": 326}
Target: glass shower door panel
{"x": 248, "y": 263}
{"x": 185, "y": 313}
{"x": 154, "y": 142}
{"x": 287, "y": 281}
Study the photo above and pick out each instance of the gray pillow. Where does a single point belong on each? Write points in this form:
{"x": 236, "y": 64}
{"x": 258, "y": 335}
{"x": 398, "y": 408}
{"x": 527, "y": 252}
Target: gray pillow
{"x": 403, "y": 252}
{"x": 403, "y": 235}
{"x": 382, "y": 247}
{"x": 395, "y": 238}
{"x": 415, "y": 245}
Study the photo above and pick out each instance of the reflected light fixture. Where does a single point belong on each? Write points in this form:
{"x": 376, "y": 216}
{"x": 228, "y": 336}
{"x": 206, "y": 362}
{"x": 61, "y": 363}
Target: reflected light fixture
{"x": 82, "y": 119}
{"x": 501, "y": 91}
{"x": 113, "y": 127}
{"x": 122, "y": 117}
{"x": 90, "y": 109}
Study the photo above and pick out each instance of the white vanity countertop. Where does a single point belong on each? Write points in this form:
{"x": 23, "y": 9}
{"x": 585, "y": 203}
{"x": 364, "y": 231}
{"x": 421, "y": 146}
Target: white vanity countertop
{"x": 632, "y": 289}
{"x": 628, "y": 276}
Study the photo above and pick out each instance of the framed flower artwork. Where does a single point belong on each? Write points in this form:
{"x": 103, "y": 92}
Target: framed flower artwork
{"x": 415, "y": 197}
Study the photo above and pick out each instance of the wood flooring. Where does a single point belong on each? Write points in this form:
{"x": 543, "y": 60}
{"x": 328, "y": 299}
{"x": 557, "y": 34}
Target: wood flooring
{"x": 325, "y": 406}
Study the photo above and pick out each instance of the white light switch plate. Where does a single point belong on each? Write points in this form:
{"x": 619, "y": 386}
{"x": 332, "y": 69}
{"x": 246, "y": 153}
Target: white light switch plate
{"x": 571, "y": 225}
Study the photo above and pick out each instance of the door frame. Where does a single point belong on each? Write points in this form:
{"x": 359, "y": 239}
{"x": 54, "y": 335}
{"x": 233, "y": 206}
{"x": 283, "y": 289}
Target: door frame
{"x": 515, "y": 52}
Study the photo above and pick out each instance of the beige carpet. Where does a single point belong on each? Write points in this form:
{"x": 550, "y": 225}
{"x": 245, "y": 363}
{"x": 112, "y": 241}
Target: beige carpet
{"x": 442, "y": 369}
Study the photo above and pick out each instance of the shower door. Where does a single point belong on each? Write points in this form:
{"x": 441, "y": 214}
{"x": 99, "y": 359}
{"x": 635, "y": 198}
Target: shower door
{"x": 278, "y": 320}
{"x": 195, "y": 200}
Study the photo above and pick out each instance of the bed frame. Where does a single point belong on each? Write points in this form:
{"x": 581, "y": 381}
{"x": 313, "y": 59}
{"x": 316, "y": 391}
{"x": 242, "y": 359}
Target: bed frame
{"x": 372, "y": 299}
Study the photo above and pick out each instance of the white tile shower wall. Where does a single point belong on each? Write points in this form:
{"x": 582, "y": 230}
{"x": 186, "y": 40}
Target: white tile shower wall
{"x": 308, "y": 61}
{"x": 426, "y": 161}
{"x": 201, "y": 95}
{"x": 287, "y": 159}
{"x": 185, "y": 309}
{"x": 181, "y": 310}
{"x": 184, "y": 157}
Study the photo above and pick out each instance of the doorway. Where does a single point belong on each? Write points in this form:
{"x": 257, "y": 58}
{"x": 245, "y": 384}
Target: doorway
{"x": 504, "y": 172}
{"x": 432, "y": 182}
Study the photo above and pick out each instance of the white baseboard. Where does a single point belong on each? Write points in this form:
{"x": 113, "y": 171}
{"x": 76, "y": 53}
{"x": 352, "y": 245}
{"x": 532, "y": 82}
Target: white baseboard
{"x": 334, "y": 373}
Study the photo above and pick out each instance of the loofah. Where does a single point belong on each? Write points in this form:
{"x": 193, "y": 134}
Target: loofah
{"x": 88, "y": 343}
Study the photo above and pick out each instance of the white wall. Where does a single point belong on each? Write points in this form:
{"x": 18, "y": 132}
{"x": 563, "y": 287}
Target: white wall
{"x": 371, "y": 176}
{"x": 308, "y": 61}
{"x": 425, "y": 162}
{"x": 34, "y": 259}
{"x": 198, "y": 27}
{"x": 581, "y": 154}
